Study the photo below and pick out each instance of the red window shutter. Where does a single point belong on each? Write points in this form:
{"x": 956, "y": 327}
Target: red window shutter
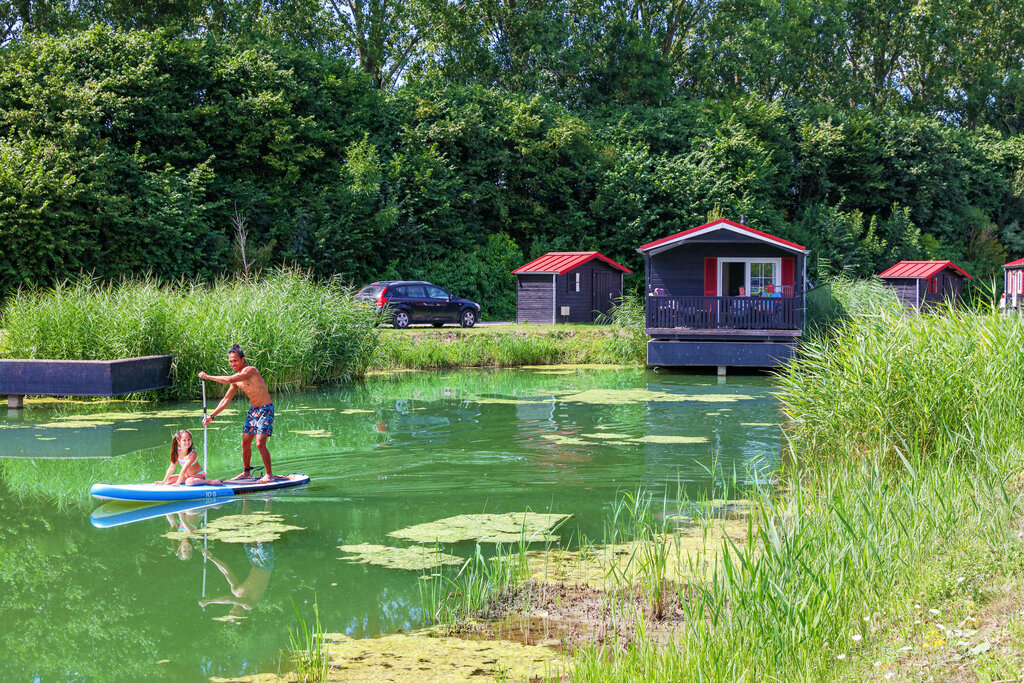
{"x": 711, "y": 276}
{"x": 933, "y": 285}
{"x": 788, "y": 276}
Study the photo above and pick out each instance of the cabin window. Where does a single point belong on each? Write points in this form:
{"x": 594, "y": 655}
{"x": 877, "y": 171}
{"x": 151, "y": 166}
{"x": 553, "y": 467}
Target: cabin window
{"x": 753, "y": 275}
{"x": 761, "y": 275}
{"x": 577, "y": 282}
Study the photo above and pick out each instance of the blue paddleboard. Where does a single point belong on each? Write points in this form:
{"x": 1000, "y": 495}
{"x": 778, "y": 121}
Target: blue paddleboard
{"x": 161, "y": 493}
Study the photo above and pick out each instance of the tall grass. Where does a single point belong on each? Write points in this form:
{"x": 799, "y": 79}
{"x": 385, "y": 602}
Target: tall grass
{"x": 822, "y": 564}
{"x": 296, "y": 330}
{"x": 449, "y": 600}
{"x": 309, "y": 649}
{"x": 947, "y": 383}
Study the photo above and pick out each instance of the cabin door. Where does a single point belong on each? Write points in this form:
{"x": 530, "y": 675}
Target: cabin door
{"x": 734, "y": 276}
{"x": 605, "y": 289}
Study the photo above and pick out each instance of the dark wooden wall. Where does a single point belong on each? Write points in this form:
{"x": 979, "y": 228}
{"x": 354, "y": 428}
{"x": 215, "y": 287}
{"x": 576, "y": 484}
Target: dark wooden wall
{"x": 581, "y": 304}
{"x": 533, "y": 299}
{"x": 950, "y": 287}
{"x": 907, "y": 289}
{"x": 680, "y": 271}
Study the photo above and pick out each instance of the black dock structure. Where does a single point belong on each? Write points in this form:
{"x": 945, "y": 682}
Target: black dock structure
{"x": 924, "y": 284}
{"x": 46, "y": 377}
{"x": 567, "y": 287}
{"x": 723, "y": 295}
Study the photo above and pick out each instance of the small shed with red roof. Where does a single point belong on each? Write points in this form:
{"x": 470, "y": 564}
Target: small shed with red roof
{"x": 1013, "y": 280}
{"x": 926, "y": 283}
{"x": 567, "y": 287}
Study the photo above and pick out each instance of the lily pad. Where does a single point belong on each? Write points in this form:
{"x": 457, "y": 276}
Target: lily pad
{"x": 668, "y": 438}
{"x": 415, "y": 558}
{"x": 508, "y": 527}
{"x": 256, "y": 527}
{"x": 691, "y": 555}
{"x": 426, "y": 655}
{"x": 567, "y": 440}
{"x": 630, "y": 396}
{"x": 315, "y": 433}
{"x": 229, "y": 618}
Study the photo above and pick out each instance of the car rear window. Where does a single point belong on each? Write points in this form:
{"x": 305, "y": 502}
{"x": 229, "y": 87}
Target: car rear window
{"x": 371, "y": 291}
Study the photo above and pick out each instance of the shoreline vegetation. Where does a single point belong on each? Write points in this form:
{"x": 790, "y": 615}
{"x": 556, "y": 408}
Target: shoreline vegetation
{"x": 300, "y": 331}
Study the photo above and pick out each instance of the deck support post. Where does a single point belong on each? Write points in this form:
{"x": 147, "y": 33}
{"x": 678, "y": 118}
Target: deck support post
{"x": 15, "y": 402}
{"x": 721, "y": 370}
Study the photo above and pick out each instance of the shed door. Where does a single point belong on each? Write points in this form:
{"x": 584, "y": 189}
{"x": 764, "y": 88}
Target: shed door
{"x": 605, "y": 290}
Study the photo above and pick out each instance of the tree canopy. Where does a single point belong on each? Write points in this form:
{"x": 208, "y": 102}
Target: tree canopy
{"x": 452, "y": 139}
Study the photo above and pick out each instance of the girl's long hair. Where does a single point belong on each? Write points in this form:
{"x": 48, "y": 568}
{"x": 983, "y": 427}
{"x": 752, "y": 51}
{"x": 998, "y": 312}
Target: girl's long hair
{"x": 174, "y": 444}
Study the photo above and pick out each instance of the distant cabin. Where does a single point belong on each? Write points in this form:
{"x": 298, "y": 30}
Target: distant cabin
{"x": 1013, "y": 276}
{"x": 920, "y": 284}
{"x": 723, "y": 294}
{"x": 567, "y": 287}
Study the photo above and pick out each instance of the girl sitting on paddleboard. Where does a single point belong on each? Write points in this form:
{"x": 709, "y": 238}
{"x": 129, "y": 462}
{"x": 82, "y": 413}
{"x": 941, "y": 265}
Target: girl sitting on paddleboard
{"x": 184, "y": 453}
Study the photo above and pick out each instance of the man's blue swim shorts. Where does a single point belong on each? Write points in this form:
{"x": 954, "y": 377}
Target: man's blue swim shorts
{"x": 260, "y": 420}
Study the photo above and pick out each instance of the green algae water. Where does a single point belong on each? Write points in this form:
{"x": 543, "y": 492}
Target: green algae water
{"x": 152, "y": 600}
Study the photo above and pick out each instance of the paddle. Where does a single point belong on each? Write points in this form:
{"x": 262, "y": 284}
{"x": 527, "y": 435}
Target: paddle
{"x": 205, "y": 475}
{"x": 204, "y": 424}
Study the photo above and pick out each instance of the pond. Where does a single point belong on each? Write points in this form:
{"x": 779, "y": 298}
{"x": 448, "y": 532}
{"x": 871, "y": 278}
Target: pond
{"x": 126, "y": 602}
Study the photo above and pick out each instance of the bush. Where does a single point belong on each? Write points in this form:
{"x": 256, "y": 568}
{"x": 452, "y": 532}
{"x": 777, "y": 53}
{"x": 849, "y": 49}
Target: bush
{"x": 295, "y": 329}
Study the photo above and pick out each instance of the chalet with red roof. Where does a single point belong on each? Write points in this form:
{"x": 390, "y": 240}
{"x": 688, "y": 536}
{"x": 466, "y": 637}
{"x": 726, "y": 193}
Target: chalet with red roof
{"x": 920, "y": 284}
{"x": 1013, "y": 281}
{"x": 567, "y": 287}
{"x": 723, "y": 294}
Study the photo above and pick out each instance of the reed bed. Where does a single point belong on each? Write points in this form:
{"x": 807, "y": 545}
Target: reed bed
{"x": 902, "y": 430}
{"x": 826, "y": 570}
{"x": 297, "y": 330}
{"x": 943, "y": 384}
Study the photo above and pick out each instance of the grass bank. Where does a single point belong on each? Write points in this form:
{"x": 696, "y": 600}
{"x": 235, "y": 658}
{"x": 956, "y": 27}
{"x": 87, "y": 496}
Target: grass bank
{"x": 297, "y": 330}
{"x": 622, "y": 341}
{"x": 509, "y": 346}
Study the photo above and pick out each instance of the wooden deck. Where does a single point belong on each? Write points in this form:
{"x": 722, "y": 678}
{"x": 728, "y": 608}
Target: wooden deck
{"x": 786, "y": 336}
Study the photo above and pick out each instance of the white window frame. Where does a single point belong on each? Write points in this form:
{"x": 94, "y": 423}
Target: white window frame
{"x": 776, "y": 271}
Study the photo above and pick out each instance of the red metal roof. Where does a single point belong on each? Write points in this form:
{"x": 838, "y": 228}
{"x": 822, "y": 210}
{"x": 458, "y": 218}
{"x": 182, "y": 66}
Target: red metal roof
{"x": 920, "y": 269}
{"x": 1018, "y": 262}
{"x": 562, "y": 262}
{"x": 723, "y": 222}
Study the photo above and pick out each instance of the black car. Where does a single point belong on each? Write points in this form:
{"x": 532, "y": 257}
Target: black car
{"x": 414, "y": 301}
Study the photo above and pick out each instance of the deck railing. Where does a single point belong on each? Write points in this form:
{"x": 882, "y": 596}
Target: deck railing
{"x": 724, "y": 312}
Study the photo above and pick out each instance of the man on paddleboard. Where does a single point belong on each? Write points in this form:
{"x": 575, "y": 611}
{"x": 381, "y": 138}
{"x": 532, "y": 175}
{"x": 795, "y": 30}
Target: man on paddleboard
{"x": 259, "y": 423}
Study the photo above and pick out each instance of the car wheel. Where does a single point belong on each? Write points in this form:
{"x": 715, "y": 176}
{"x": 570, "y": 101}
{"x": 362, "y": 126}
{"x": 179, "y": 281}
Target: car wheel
{"x": 468, "y": 318}
{"x": 401, "y": 320}
{"x": 438, "y": 324}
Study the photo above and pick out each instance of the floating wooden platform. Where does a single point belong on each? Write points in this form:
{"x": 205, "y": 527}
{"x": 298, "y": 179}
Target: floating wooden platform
{"x": 46, "y": 377}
